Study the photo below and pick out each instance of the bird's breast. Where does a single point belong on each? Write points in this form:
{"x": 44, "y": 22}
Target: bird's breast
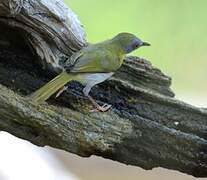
{"x": 112, "y": 64}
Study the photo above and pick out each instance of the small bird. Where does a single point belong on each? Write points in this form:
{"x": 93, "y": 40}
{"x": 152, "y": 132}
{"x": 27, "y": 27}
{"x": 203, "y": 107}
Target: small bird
{"x": 91, "y": 65}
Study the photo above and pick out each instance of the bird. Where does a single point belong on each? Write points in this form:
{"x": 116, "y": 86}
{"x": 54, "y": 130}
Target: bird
{"x": 92, "y": 65}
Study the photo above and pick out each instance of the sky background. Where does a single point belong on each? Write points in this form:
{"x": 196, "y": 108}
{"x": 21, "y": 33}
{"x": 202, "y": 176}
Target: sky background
{"x": 175, "y": 28}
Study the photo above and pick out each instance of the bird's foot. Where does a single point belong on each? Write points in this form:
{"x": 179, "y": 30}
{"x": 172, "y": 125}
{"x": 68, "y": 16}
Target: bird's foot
{"x": 103, "y": 108}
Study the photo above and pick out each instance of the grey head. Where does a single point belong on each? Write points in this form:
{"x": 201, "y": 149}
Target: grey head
{"x": 129, "y": 42}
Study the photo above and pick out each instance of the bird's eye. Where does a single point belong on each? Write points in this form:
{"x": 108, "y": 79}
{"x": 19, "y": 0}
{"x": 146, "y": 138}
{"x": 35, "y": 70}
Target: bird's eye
{"x": 135, "y": 45}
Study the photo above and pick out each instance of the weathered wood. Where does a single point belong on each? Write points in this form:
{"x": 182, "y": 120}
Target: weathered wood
{"x": 146, "y": 127}
{"x": 50, "y": 27}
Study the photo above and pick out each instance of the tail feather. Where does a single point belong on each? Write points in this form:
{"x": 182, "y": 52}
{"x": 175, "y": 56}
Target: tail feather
{"x": 51, "y": 87}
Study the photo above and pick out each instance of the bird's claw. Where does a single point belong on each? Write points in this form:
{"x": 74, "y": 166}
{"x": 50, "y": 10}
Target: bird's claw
{"x": 103, "y": 108}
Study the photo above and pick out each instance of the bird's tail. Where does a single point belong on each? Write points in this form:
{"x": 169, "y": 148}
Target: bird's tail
{"x": 51, "y": 87}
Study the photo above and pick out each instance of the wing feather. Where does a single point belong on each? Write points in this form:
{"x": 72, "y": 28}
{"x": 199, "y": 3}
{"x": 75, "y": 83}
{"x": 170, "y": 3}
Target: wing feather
{"x": 94, "y": 59}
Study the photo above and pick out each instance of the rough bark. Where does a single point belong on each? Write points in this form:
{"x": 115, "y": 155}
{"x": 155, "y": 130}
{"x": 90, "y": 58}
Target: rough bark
{"x": 146, "y": 127}
{"x": 50, "y": 27}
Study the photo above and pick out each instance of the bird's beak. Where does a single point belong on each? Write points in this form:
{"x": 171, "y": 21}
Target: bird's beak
{"x": 145, "y": 44}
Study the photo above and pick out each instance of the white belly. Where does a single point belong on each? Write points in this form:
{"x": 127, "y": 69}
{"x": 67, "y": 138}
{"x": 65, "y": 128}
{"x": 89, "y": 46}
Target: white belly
{"x": 94, "y": 78}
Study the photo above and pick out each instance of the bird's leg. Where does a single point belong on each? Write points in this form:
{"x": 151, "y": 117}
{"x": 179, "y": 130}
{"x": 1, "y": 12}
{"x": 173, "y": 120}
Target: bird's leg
{"x": 61, "y": 90}
{"x": 103, "y": 108}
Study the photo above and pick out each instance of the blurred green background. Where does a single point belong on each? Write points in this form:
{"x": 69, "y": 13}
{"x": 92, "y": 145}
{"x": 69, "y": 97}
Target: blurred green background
{"x": 175, "y": 28}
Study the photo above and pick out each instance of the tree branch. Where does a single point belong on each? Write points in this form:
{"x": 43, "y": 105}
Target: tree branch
{"x": 146, "y": 127}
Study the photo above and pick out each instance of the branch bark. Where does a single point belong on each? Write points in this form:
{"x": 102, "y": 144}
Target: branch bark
{"x": 146, "y": 127}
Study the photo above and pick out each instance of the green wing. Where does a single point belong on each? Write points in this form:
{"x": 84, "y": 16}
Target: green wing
{"x": 95, "y": 58}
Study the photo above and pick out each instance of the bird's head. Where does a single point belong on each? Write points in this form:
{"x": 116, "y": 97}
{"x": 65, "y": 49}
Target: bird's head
{"x": 129, "y": 42}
